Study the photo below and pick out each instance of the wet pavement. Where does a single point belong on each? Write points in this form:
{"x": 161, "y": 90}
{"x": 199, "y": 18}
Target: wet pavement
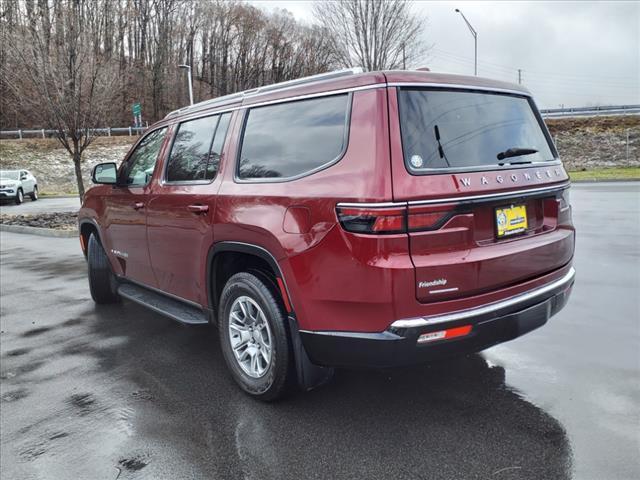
{"x": 42, "y": 205}
{"x": 121, "y": 392}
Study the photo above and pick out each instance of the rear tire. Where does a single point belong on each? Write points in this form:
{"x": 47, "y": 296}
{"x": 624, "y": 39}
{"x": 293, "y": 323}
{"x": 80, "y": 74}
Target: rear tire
{"x": 34, "y": 194}
{"x": 19, "y": 197}
{"x": 258, "y": 329}
{"x": 102, "y": 281}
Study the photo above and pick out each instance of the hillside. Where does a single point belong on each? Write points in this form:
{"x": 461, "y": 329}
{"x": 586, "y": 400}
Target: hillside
{"x": 583, "y": 143}
{"x": 52, "y": 165}
{"x": 595, "y": 142}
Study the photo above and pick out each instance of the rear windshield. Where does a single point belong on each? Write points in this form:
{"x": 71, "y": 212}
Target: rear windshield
{"x": 443, "y": 129}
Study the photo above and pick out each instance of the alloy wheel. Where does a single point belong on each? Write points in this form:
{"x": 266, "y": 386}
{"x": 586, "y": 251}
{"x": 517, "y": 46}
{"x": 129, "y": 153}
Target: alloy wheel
{"x": 250, "y": 337}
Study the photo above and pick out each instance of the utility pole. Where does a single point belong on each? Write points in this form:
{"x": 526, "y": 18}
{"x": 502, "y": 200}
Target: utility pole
{"x": 475, "y": 42}
{"x": 188, "y": 67}
{"x": 520, "y": 76}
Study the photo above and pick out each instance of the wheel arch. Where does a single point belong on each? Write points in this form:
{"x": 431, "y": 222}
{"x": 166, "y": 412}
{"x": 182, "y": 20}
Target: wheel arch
{"x": 86, "y": 227}
{"x": 215, "y": 283}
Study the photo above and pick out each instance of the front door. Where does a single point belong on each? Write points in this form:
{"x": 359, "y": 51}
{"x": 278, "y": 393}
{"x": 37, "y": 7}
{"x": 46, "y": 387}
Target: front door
{"x": 181, "y": 207}
{"x": 125, "y": 210}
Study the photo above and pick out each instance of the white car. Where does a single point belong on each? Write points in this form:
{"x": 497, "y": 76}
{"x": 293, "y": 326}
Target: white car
{"x": 15, "y": 184}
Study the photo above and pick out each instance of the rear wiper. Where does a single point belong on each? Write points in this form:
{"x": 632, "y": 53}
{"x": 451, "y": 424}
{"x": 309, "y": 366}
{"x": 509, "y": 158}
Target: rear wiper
{"x": 516, "y": 152}
{"x": 436, "y": 131}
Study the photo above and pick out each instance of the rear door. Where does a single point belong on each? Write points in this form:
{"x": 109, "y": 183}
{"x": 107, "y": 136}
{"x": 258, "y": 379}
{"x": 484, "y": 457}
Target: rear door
{"x": 181, "y": 207}
{"x": 485, "y": 189}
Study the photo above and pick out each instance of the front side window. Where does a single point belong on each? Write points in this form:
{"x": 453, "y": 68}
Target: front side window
{"x": 291, "y": 139}
{"x": 461, "y": 129}
{"x": 142, "y": 161}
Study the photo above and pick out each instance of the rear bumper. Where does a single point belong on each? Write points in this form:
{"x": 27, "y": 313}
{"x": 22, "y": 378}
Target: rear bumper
{"x": 398, "y": 345}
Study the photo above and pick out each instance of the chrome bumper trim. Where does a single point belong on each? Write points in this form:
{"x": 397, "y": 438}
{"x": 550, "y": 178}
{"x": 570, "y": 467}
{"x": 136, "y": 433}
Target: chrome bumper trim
{"x": 464, "y": 314}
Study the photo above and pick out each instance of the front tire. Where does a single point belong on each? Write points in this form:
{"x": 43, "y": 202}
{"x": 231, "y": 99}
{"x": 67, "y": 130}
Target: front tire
{"x": 254, "y": 337}
{"x": 102, "y": 281}
{"x": 19, "y": 197}
{"x": 34, "y": 194}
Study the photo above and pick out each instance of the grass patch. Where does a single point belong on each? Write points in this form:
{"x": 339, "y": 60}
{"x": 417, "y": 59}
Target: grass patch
{"x": 602, "y": 174}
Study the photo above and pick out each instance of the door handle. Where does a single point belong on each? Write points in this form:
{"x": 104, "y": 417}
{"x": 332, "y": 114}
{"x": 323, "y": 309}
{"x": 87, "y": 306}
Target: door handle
{"x": 198, "y": 208}
{"x": 138, "y": 205}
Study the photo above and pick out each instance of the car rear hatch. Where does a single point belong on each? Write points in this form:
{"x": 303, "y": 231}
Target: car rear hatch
{"x": 486, "y": 196}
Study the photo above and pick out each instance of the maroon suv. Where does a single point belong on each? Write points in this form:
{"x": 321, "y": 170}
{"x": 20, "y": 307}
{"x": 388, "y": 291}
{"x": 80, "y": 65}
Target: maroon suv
{"x": 343, "y": 220}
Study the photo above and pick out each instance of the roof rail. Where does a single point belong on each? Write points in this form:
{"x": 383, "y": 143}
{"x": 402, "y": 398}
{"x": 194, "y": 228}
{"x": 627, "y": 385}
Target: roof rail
{"x": 236, "y": 97}
{"x": 305, "y": 80}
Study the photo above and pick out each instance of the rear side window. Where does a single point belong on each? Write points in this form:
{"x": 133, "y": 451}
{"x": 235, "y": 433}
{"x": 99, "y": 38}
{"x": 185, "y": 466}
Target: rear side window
{"x": 461, "y": 129}
{"x": 292, "y": 139}
{"x": 195, "y": 154}
{"x": 218, "y": 143}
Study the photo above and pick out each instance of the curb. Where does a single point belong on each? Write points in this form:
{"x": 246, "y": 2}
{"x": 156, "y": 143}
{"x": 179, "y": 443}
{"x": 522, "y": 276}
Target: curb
{"x": 44, "y": 196}
{"x": 43, "y": 232}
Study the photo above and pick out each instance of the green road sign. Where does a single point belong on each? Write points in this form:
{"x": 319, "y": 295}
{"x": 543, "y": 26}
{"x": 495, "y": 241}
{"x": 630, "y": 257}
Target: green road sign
{"x": 137, "y": 109}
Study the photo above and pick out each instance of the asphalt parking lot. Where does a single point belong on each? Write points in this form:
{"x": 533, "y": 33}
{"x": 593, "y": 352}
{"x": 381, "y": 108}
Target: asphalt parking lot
{"x": 121, "y": 392}
{"x": 42, "y": 205}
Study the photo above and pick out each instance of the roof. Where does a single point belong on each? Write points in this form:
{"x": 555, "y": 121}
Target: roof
{"x": 342, "y": 80}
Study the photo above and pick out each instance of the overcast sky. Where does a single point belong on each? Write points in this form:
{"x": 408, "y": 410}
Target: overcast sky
{"x": 570, "y": 53}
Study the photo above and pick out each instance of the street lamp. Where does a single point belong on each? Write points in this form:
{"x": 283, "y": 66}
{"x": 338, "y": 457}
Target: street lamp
{"x": 188, "y": 67}
{"x": 475, "y": 40}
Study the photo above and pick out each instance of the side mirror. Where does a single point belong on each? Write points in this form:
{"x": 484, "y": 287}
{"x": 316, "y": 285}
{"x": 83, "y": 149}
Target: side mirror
{"x": 105, "y": 173}
{"x": 23, "y": 177}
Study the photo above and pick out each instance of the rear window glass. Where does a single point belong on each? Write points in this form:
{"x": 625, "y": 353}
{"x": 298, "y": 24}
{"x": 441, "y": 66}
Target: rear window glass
{"x": 458, "y": 129}
{"x": 292, "y": 139}
{"x": 190, "y": 152}
{"x": 216, "y": 147}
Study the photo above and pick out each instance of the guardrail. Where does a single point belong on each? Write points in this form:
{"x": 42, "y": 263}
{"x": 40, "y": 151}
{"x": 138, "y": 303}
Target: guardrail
{"x": 546, "y": 113}
{"x": 50, "y": 133}
{"x": 591, "y": 111}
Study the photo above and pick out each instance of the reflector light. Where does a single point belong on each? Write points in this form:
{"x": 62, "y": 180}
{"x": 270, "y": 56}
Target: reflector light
{"x": 445, "y": 334}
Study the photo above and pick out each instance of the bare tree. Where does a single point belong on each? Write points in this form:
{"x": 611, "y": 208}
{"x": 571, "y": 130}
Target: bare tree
{"x": 68, "y": 84}
{"x": 231, "y": 45}
{"x": 373, "y": 34}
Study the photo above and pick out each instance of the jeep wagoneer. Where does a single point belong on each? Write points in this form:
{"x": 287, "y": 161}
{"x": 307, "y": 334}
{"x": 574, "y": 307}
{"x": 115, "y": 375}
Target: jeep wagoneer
{"x": 344, "y": 220}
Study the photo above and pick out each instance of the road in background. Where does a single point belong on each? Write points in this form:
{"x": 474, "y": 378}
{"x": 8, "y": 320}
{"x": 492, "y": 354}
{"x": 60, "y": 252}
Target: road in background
{"x": 92, "y": 392}
{"x": 42, "y": 205}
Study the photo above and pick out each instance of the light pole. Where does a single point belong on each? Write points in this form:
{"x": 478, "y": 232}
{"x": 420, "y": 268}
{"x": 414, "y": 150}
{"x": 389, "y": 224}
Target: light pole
{"x": 188, "y": 67}
{"x": 475, "y": 41}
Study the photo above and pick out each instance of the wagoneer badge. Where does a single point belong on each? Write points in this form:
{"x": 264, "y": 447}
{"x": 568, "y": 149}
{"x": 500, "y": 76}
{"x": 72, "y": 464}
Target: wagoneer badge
{"x": 514, "y": 177}
{"x": 433, "y": 283}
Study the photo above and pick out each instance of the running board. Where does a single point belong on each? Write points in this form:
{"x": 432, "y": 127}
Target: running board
{"x": 164, "y": 305}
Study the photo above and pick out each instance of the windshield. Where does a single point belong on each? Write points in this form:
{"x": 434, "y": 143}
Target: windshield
{"x": 11, "y": 175}
{"x": 461, "y": 129}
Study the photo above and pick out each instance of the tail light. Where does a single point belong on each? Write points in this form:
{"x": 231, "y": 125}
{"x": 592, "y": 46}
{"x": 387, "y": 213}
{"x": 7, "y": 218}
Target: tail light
{"x": 565, "y": 200}
{"x": 373, "y": 220}
{"x": 396, "y": 219}
{"x": 564, "y": 207}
